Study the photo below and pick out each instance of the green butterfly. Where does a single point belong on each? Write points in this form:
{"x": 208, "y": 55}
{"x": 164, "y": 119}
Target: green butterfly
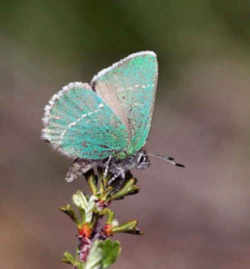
{"x": 105, "y": 123}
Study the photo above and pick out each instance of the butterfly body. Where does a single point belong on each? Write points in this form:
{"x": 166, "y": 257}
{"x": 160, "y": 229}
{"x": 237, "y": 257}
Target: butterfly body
{"x": 116, "y": 167}
{"x": 110, "y": 118}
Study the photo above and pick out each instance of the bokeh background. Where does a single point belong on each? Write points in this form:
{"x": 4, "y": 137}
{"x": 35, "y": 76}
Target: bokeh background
{"x": 198, "y": 217}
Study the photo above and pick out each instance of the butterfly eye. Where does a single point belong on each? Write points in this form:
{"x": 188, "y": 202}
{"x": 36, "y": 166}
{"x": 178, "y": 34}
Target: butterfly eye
{"x": 142, "y": 158}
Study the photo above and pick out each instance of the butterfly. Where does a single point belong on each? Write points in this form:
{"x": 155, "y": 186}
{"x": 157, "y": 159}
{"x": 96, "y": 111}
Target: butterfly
{"x": 105, "y": 123}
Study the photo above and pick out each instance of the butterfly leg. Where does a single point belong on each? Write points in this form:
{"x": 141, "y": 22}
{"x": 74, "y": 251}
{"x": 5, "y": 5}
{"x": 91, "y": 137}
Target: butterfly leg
{"x": 107, "y": 164}
{"x": 113, "y": 178}
{"x": 120, "y": 172}
{"x": 79, "y": 167}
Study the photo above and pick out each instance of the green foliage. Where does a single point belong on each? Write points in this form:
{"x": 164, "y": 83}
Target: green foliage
{"x": 92, "y": 184}
{"x": 69, "y": 259}
{"x": 95, "y": 257}
{"x": 128, "y": 227}
{"x": 96, "y": 251}
{"x": 68, "y": 210}
{"x": 110, "y": 252}
{"x": 103, "y": 254}
{"x": 80, "y": 200}
{"x": 129, "y": 188}
{"x": 84, "y": 205}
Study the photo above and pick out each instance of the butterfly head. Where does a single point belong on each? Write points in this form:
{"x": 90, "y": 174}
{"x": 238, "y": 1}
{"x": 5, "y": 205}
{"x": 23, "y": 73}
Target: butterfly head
{"x": 142, "y": 160}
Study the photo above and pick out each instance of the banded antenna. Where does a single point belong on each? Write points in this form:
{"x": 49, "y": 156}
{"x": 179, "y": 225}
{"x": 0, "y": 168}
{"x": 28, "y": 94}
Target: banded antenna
{"x": 168, "y": 159}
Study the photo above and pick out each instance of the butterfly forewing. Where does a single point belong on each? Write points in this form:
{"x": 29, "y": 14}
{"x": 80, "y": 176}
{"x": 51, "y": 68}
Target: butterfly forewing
{"x": 80, "y": 124}
{"x": 129, "y": 88}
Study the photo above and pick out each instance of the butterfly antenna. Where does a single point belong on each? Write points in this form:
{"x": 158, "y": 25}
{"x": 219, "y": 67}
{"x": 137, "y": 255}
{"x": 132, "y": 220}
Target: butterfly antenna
{"x": 168, "y": 159}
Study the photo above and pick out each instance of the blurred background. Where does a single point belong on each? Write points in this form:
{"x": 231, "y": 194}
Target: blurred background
{"x": 198, "y": 217}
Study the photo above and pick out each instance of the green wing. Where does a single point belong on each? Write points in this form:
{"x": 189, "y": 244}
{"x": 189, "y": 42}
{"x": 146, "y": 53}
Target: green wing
{"x": 79, "y": 124}
{"x": 129, "y": 88}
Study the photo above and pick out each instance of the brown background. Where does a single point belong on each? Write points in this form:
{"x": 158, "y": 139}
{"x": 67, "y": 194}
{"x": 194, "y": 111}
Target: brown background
{"x": 193, "y": 218}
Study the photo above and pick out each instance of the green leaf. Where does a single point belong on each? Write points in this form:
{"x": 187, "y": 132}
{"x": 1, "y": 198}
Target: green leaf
{"x": 102, "y": 254}
{"x": 110, "y": 252}
{"x": 94, "y": 260}
{"x": 85, "y": 206}
{"x": 109, "y": 213}
{"x": 128, "y": 227}
{"x": 68, "y": 210}
{"x": 92, "y": 184}
{"x": 80, "y": 265}
{"x": 127, "y": 189}
{"x": 90, "y": 208}
{"x": 80, "y": 200}
{"x": 83, "y": 215}
{"x": 68, "y": 258}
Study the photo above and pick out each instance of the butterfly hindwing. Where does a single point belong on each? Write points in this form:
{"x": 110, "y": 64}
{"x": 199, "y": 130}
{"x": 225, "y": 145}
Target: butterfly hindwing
{"x": 80, "y": 124}
{"x": 129, "y": 88}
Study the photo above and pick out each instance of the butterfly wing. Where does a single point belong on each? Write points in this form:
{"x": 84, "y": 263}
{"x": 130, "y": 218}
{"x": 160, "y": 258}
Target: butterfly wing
{"x": 129, "y": 88}
{"x": 79, "y": 124}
